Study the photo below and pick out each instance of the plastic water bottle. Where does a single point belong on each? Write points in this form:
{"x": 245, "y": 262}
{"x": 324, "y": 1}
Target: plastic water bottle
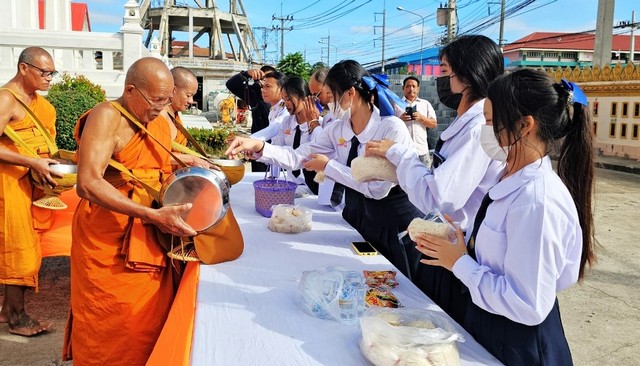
{"x": 348, "y": 303}
{"x": 356, "y": 279}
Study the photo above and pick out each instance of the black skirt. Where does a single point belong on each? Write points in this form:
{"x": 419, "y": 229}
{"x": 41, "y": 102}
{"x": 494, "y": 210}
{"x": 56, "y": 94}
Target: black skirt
{"x": 444, "y": 288}
{"x": 517, "y": 344}
{"x": 380, "y": 221}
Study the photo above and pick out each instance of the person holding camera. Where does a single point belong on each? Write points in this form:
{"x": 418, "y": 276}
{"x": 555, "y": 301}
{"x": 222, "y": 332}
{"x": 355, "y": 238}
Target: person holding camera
{"x": 418, "y": 116}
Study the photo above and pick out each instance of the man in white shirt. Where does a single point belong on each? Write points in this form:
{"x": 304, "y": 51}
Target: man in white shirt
{"x": 421, "y": 116}
{"x": 322, "y": 95}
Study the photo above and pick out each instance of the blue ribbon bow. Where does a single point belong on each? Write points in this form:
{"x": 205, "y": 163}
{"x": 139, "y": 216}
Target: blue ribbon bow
{"x": 386, "y": 98}
{"x": 576, "y": 95}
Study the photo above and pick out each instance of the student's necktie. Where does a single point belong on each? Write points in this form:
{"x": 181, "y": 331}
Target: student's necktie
{"x": 482, "y": 212}
{"x": 338, "y": 189}
{"x": 296, "y": 143}
{"x": 438, "y": 159}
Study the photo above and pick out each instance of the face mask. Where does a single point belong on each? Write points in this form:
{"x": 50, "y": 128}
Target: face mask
{"x": 491, "y": 146}
{"x": 341, "y": 113}
{"x": 447, "y": 97}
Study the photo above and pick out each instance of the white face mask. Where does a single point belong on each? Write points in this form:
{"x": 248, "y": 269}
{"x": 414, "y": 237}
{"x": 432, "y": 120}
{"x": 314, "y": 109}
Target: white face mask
{"x": 491, "y": 146}
{"x": 341, "y": 113}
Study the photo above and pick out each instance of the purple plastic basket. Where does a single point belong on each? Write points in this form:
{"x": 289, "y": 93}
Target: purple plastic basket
{"x": 270, "y": 192}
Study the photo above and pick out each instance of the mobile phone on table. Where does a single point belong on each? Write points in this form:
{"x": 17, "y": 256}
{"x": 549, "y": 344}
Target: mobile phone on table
{"x": 363, "y": 248}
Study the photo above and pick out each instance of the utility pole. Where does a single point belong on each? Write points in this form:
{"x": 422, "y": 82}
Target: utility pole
{"x": 282, "y": 28}
{"x": 447, "y": 17}
{"x": 384, "y": 23}
{"x": 328, "y": 38}
{"x": 501, "y": 40}
{"x": 452, "y": 21}
{"x": 633, "y": 40}
{"x": 604, "y": 33}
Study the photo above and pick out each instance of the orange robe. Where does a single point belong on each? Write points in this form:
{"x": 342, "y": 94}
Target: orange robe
{"x": 121, "y": 281}
{"x": 180, "y": 138}
{"x": 20, "y": 254}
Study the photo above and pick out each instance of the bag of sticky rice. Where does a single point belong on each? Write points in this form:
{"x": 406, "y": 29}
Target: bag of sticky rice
{"x": 401, "y": 336}
{"x": 366, "y": 168}
{"x": 434, "y": 224}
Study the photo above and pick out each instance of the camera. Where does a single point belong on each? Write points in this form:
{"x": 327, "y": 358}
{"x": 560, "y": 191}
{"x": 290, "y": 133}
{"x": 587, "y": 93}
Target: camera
{"x": 410, "y": 111}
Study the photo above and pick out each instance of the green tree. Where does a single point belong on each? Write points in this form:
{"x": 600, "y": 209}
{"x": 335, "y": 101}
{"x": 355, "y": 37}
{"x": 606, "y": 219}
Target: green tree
{"x": 294, "y": 64}
{"x": 71, "y": 97}
{"x": 317, "y": 65}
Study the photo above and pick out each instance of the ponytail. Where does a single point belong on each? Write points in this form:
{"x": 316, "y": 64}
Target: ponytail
{"x": 576, "y": 169}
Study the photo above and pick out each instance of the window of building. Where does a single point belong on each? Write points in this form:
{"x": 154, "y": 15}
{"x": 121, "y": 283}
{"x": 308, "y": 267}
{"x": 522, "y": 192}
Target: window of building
{"x": 634, "y": 131}
{"x": 625, "y": 109}
{"x": 612, "y": 130}
{"x": 614, "y": 109}
{"x": 569, "y": 55}
{"x": 636, "y": 110}
{"x": 595, "y": 108}
{"x": 623, "y": 131}
{"x": 550, "y": 54}
{"x": 534, "y": 54}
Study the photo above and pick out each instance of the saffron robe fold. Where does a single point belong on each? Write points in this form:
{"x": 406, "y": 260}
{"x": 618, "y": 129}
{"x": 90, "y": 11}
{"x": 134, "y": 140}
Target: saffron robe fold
{"x": 121, "y": 283}
{"x": 20, "y": 254}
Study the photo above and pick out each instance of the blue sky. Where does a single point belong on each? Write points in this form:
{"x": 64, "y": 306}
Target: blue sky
{"x": 351, "y": 23}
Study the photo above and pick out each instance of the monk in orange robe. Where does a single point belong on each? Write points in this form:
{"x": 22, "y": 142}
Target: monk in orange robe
{"x": 186, "y": 86}
{"x": 20, "y": 255}
{"x": 121, "y": 285}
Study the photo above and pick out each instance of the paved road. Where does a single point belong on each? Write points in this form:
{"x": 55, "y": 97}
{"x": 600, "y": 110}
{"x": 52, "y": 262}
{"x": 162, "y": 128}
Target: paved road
{"x": 602, "y": 315}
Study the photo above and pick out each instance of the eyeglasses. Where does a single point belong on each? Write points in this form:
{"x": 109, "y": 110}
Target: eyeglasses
{"x": 316, "y": 95}
{"x": 153, "y": 105}
{"x": 43, "y": 73}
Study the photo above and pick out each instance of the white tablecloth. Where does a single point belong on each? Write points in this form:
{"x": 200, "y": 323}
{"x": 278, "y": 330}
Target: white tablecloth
{"x": 246, "y": 309}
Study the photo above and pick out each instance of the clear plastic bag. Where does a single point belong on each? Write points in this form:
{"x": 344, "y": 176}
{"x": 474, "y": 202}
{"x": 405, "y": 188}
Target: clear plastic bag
{"x": 402, "y": 336}
{"x": 433, "y": 223}
{"x": 290, "y": 219}
{"x": 332, "y": 293}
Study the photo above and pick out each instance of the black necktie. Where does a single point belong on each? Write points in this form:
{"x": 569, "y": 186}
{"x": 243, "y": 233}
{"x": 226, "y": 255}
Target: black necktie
{"x": 338, "y": 189}
{"x": 296, "y": 143}
{"x": 482, "y": 212}
{"x": 437, "y": 157}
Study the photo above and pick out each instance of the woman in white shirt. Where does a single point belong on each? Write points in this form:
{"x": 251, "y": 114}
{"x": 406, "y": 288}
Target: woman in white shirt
{"x": 533, "y": 235}
{"x": 296, "y": 128}
{"x": 379, "y": 210}
{"x": 461, "y": 173}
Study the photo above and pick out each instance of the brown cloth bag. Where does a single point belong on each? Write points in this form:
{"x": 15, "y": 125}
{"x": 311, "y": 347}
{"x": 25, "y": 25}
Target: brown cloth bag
{"x": 221, "y": 243}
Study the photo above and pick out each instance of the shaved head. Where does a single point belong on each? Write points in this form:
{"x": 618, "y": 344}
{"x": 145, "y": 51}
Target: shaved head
{"x": 146, "y": 71}
{"x": 182, "y": 77}
{"x": 148, "y": 88}
{"x": 30, "y": 55}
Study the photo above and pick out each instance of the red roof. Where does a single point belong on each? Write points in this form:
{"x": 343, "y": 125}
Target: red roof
{"x": 567, "y": 41}
{"x": 79, "y": 15}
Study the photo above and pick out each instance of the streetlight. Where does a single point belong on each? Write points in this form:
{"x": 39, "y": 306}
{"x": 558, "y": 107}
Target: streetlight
{"x": 421, "y": 35}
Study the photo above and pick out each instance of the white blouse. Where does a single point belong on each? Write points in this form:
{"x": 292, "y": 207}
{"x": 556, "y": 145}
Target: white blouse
{"x": 286, "y": 136}
{"x": 335, "y": 142}
{"x": 277, "y": 114}
{"x": 458, "y": 185}
{"x": 528, "y": 247}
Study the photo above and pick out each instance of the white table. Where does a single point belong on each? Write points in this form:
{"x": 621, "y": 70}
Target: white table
{"x": 246, "y": 309}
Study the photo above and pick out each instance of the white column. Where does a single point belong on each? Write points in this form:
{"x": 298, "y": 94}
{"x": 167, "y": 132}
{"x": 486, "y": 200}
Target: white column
{"x": 57, "y": 15}
{"x": 131, "y": 35}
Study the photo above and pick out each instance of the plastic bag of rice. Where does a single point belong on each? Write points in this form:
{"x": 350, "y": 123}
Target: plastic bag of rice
{"x": 366, "y": 168}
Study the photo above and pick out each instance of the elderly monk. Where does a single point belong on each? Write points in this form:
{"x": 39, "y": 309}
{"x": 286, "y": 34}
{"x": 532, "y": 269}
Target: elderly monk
{"x": 121, "y": 281}
{"x": 20, "y": 255}
{"x": 186, "y": 86}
